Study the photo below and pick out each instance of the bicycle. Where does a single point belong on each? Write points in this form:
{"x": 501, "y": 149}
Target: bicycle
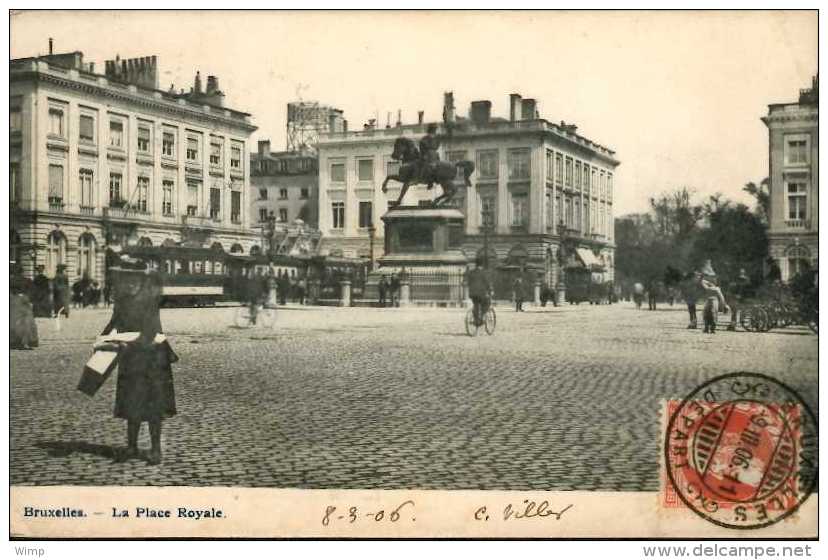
{"x": 489, "y": 322}
{"x": 261, "y": 315}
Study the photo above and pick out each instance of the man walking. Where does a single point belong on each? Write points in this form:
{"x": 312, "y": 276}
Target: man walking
{"x": 395, "y": 290}
{"x": 60, "y": 293}
{"x": 383, "y": 288}
{"x": 738, "y": 293}
{"x": 517, "y": 287}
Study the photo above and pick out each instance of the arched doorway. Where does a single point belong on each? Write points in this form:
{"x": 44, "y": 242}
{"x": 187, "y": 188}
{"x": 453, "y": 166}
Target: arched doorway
{"x": 169, "y": 243}
{"x": 236, "y": 248}
{"x": 87, "y": 255}
{"x": 798, "y": 258}
{"x": 145, "y": 242}
{"x": 255, "y": 251}
{"x": 217, "y": 247}
{"x": 56, "y": 247}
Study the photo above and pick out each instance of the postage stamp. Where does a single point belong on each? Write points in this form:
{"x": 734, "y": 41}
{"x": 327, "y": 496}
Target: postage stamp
{"x": 740, "y": 451}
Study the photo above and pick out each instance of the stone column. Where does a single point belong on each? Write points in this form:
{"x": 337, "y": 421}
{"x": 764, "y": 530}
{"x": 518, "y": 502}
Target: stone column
{"x": 345, "y": 297}
{"x": 405, "y": 293}
{"x": 537, "y": 292}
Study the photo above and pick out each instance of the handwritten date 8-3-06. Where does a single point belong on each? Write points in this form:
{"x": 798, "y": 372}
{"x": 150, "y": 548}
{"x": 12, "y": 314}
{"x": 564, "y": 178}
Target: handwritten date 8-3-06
{"x": 352, "y": 514}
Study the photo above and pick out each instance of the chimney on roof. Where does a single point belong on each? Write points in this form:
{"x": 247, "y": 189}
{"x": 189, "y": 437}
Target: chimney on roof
{"x": 448, "y": 107}
{"x": 529, "y": 110}
{"x": 212, "y": 85}
{"x": 264, "y": 148}
{"x": 344, "y": 125}
{"x": 51, "y": 46}
{"x": 197, "y": 83}
{"x": 420, "y": 117}
{"x": 480, "y": 112}
{"x": 399, "y": 117}
{"x": 514, "y": 106}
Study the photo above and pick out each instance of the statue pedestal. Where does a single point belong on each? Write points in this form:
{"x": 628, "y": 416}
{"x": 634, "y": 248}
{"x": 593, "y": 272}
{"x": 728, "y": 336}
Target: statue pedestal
{"x": 422, "y": 246}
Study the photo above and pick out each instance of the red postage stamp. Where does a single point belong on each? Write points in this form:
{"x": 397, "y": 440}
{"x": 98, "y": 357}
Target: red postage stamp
{"x": 735, "y": 456}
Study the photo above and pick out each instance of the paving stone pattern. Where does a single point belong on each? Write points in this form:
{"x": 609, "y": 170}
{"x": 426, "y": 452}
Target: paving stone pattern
{"x": 563, "y": 398}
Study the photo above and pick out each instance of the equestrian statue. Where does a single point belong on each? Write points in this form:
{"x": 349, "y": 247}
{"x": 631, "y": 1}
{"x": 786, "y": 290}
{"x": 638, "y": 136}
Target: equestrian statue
{"x": 423, "y": 166}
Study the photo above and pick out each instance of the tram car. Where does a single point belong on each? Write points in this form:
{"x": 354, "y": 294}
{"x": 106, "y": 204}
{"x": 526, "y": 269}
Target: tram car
{"x": 191, "y": 276}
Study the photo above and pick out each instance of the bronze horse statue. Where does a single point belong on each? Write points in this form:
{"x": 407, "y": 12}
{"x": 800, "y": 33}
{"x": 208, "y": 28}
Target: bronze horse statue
{"x": 412, "y": 171}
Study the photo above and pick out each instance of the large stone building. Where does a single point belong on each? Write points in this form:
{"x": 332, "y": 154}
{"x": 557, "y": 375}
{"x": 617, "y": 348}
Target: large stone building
{"x": 99, "y": 161}
{"x": 540, "y": 185}
{"x": 793, "y": 131}
{"x": 284, "y": 186}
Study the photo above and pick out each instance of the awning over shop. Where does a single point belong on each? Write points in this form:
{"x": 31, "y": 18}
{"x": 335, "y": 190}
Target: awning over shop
{"x": 588, "y": 258}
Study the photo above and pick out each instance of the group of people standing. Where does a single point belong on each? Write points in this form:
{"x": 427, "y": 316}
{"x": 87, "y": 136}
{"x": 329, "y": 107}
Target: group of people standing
{"x": 389, "y": 289}
{"x": 50, "y": 297}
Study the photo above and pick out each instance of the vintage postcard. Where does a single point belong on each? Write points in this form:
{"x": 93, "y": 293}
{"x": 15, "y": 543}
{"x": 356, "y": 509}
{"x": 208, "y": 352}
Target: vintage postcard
{"x": 424, "y": 274}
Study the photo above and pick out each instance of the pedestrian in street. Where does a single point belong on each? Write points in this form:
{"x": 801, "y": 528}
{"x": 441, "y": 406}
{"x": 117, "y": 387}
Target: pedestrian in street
{"x": 382, "y": 286}
{"x": 144, "y": 391}
{"x": 60, "y": 293}
{"x": 738, "y": 294}
{"x": 638, "y": 294}
{"x": 22, "y": 326}
{"x": 653, "y": 293}
{"x": 714, "y": 299}
{"x": 300, "y": 291}
{"x": 284, "y": 288}
{"x": 690, "y": 291}
{"x": 394, "y": 286}
{"x": 517, "y": 288}
{"x": 41, "y": 293}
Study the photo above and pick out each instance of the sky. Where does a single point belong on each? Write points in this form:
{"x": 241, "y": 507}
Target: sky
{"x": 677, "y": 95}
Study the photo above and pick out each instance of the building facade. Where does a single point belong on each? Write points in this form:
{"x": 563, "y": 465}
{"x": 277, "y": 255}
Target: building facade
{"x": 793, "y": 133}
{"x": 541, "y": 195}
{"x": 102, "y": 161}
{"x": 284, "y": 186}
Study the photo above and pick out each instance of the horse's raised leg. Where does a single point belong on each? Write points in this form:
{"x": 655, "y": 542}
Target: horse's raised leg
{"x": 389, "y": 178}
{"x": 403, "y": 190}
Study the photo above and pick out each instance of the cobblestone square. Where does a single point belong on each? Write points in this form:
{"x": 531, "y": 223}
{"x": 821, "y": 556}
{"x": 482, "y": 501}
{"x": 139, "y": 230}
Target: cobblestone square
{"x": 565, "y": 398}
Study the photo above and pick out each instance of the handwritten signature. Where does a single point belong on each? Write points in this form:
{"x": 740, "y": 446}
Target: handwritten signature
{"x": 529, "y": 509}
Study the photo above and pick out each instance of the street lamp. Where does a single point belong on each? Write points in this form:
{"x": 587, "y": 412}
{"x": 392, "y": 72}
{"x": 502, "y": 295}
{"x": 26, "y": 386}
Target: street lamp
{"x": 372, "y": 230}
{"x": 487, "y": 225}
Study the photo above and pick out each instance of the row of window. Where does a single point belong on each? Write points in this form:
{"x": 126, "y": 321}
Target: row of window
{"x": 284, "y": 165}
{"x": 144, "y": 136}
{"x": 304, "y": 193}
{"x": 263, "y": 215}
{"x": 580, "y": 176}
{"x": 569, "y": 214}
{"x": 366, "y": 214}
{"x": 563, "y": 170}
{"x": 138, "y": 201}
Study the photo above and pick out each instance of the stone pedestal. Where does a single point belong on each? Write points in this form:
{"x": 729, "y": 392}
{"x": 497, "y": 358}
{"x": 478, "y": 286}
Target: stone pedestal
{"x": 423, "y": 247}
{"x": 345, "y": 297}
{"x": 405, "y": 293}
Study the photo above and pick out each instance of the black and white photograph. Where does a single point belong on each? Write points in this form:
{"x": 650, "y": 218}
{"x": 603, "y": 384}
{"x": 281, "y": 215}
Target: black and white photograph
{"x": 414, "y": 274}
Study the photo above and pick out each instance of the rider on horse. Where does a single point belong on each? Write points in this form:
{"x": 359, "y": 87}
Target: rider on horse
{"x": 429, "y": 156}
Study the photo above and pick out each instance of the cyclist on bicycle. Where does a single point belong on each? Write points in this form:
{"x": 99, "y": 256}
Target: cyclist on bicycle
{"x": 479, "y": 291}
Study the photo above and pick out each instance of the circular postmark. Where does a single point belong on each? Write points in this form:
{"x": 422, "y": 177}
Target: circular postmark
{"x": 742, "y": 450}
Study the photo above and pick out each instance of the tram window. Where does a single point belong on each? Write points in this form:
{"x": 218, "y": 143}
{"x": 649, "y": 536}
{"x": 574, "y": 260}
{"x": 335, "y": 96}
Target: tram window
{"x": 197, "y": 267}
{"x": 179, "y": 267}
